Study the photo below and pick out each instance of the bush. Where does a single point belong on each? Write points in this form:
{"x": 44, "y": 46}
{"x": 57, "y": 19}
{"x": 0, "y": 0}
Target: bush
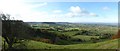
{"x": 94, "y": 40}
{"x": 63, "y": 42}
{"x": 77, "y": 40}
{"x": 42, "y": 40}
{"x": 105, "y": 36}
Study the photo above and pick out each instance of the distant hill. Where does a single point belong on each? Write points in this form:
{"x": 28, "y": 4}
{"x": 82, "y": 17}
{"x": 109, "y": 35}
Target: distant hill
{"x": 96, "y": 23}
{"x": 34, "y": 22}
{"x": 63, "y": 23}
{"x": 48, "y": 22}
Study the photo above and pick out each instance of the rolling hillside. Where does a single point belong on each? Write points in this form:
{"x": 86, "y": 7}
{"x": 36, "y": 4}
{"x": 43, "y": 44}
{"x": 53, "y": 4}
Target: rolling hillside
{"x": 111, "y": 44}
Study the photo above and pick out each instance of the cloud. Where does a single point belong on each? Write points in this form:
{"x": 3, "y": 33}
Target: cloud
{"x": 106, "y": 8}
{"x": 73, "y": 0}
{"x": 22, "y": 10}
{"x": 38, "y": 5}
{"x": 76, "y": 11}
{"x": 57, "y": 11}
{"x": 93, "y": 14}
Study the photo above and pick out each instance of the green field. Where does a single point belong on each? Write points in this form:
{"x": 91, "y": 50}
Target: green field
{"x": 84, "y": 37}
{"x": 111, "y": 44}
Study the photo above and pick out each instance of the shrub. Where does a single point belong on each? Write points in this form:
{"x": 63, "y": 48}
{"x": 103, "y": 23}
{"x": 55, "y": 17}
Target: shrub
{"x": 94, "y": 40}
{"x": 77, "y": 40}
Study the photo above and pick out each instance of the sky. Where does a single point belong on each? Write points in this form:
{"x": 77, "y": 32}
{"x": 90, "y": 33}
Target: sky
{"x": 35, "y": 11}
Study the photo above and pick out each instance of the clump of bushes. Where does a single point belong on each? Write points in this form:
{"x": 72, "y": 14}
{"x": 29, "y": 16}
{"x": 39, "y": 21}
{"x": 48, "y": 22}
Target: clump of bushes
{"x": 95, "y": 40}
{"x": 43, "y": 40}
{"x": 76, "y": 40}
{"x": 105, "y": 36}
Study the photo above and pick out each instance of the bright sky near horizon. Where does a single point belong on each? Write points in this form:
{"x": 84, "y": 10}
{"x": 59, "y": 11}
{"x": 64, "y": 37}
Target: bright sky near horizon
{"x": 106, "y": 12}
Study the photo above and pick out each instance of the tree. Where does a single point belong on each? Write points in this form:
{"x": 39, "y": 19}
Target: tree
{"x": 94, "y": 40}
{"x": 13, "y": 30}
{"x": 106, "y": 36}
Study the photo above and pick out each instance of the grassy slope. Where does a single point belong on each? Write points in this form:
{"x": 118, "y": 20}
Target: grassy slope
{"x": 111, "y": 44}
{"x": 85, "y": 37}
